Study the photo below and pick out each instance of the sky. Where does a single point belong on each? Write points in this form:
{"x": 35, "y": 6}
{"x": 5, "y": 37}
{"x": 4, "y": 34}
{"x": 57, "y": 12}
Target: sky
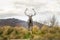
{"x": 45, "y": 9}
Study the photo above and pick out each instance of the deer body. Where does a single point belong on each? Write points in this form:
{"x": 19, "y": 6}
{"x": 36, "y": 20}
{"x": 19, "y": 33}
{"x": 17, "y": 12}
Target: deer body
{"x": 30, "y": 22}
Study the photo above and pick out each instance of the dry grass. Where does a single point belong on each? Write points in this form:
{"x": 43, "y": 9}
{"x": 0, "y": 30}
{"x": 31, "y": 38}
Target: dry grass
{"x": 44, "y": 33}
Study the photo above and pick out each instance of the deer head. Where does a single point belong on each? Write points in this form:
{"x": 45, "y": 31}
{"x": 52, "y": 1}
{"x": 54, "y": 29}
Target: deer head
{"x": 30, "y": 15}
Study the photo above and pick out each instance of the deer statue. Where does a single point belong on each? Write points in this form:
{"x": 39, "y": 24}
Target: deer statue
{"x": 30, "y": 21}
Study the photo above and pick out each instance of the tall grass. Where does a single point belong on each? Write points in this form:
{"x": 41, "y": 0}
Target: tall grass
{"x": 36, "y": 33}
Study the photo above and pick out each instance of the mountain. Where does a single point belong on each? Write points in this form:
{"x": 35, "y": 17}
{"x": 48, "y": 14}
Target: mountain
{"x": 16, "y": 22}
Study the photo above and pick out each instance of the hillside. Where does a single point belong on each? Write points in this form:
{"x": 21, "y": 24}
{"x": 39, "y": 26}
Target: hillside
{"x": 16, "y": 22}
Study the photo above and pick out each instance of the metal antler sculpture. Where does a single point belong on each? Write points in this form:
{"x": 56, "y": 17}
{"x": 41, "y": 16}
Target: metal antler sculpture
{"x": 30, "y": 21}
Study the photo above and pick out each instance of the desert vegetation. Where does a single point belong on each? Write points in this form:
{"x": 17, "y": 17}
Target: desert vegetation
{"x": 36, "y": 33}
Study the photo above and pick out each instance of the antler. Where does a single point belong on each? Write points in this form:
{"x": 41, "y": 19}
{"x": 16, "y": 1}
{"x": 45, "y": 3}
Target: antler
{"x": 29, "y": 15}
{"x": 34, "y": 12}
{"x": 25, "y": 11}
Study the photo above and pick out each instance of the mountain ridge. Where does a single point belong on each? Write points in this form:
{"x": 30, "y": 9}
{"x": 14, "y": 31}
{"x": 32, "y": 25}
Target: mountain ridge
{"x": 16, "y": 22}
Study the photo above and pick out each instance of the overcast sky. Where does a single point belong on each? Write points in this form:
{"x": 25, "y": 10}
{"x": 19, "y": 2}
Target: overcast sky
{"x": 44, "y": 9}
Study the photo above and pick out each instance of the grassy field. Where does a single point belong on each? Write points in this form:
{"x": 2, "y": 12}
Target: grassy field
{"x": 36, "y": 33}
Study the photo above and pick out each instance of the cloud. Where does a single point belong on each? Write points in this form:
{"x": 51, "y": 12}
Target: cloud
{"x": 9, "y": 15}
{"x": 30, "y": 3}
{"x": 10, "y": 8}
